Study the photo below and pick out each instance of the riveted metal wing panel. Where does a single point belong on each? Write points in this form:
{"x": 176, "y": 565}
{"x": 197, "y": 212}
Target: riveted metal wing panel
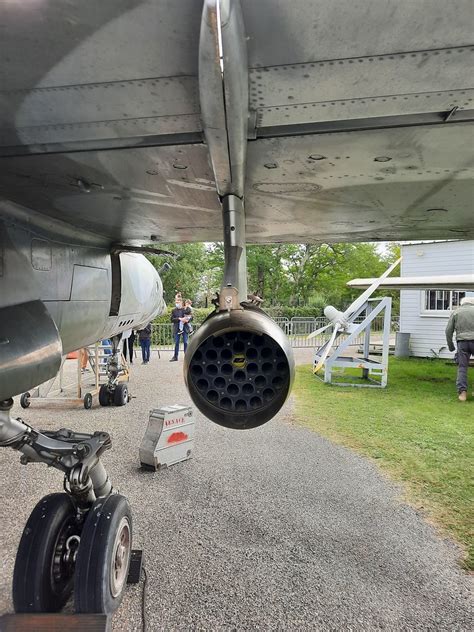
{"x": 127, "y": 195}
{"x": 328, "y": 61}
{"x": 359, "y": 122}
{"x": 384, "y": 184}
{"x": 94, "y": 73}
{"x": 281, "y": 32}
{"x": 343, "y": 95}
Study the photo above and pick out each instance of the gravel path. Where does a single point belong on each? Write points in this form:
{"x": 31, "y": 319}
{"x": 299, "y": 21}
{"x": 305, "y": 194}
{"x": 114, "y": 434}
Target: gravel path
{"x": 275, "y": 528}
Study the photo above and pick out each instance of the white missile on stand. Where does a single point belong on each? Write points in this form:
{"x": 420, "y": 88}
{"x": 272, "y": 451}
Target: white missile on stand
{"x": 341, "y": 321}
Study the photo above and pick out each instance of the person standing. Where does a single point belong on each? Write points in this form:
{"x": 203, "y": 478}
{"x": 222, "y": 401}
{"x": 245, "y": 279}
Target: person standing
{"x": 185, "y": 323}
{"x": 188, "y": 312}
{"x": 144, "y": 338}
{"x": 128, "y": 338}
{"x": 462, "y": 322}
{"x": 177, "y": 317}
{"x": 84, "y": 358}
{"x": 131, "y": 342}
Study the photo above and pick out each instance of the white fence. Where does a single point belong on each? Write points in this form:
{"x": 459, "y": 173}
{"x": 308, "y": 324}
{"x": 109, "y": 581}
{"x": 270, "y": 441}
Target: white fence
{"x": 297, "y": 329}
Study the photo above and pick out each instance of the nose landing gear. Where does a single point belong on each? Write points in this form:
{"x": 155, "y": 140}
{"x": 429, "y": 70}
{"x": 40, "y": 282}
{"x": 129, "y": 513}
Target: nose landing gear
{"x": 61, "y": 551}
{"x": 79, "y": 540}
{"x": 114, "y": 392}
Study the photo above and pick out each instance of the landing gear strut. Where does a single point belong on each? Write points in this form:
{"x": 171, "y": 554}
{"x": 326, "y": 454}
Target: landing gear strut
{"x": 79, "y": 539}
{"x": 114, "y": 392}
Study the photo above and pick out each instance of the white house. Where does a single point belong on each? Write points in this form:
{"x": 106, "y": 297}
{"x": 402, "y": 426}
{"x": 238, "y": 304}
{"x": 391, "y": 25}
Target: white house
{"x": 424, "y": 313}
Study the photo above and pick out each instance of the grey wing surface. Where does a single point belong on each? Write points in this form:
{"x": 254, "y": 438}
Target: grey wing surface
{"x": 359, "y": 119}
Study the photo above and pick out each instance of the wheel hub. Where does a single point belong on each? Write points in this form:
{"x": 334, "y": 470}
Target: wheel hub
{"x": 65, "y": 555}
{"x": 120, "y": 557}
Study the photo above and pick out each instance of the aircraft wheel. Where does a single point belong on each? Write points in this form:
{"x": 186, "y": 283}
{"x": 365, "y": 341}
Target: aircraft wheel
{"x": 104, "y": 554}
{"x": 121, "y": 394}
{"x": 25, "y": 400}
{"x": 104, "y": 399}
{"x": 87, "y": 401}
{"x": 44, "y": 565}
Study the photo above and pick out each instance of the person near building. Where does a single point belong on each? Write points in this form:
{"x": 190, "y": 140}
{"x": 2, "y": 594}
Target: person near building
{"x": 144, "y": 338}
{"x": 461, "y": 321}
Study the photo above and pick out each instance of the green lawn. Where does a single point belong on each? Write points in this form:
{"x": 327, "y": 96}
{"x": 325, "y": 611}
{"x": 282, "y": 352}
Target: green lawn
{"x": 415, "y": 428}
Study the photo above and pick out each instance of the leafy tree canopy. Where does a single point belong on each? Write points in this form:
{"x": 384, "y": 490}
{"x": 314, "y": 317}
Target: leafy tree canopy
{"x": 291, "y": 275}
{"x": 187, "y": 270}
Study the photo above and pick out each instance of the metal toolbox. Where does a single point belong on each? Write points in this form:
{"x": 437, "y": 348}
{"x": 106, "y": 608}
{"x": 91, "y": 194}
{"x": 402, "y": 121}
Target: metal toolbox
{"x": 168, "y": 438}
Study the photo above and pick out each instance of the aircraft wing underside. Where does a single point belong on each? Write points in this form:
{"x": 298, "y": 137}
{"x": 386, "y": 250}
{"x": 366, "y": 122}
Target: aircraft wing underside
{"x": 360, "y": 119}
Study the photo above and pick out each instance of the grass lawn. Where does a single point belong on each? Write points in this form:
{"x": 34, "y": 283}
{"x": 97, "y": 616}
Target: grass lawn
{"x": 416, "y": 429}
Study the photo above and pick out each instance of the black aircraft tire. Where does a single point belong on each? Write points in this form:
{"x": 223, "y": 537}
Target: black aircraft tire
{"x": 42, "y": 580}
{"x": 25, "y": 400}
{"x": 88, "y": 401}
{"x": 104, "y": 395}
{"x": 103, "y": 558}
{"x": 121, "y": 394}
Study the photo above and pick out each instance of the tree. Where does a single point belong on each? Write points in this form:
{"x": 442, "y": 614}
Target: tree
{"x": 305, "y": 264}
{"x": 294, "y": 275}
{"x": 187, "y": 270}
{"x": 363, "y": 260}
{"x": 266, "y": 277}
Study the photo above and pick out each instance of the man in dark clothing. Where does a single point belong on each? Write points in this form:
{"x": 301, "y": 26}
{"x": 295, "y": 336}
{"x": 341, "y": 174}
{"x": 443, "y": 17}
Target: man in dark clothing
{"x": 178, "y": 316}
{"x": 128, "y": 338}
{"x": 462, "y": 322}
{"x": 144, "y": 337}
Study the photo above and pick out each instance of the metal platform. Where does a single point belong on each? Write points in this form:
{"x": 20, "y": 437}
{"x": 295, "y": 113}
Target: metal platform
{"x": 85, "y": 386}
{"x": 374, "y": 372}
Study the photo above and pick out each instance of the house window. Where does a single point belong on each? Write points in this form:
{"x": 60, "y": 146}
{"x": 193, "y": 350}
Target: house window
{"x": 442, "y": 300}
{"x": 456, "y": 297}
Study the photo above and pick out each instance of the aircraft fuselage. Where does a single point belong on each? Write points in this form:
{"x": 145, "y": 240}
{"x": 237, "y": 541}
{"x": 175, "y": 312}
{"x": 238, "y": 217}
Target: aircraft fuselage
{"x": 88, "y": 292}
